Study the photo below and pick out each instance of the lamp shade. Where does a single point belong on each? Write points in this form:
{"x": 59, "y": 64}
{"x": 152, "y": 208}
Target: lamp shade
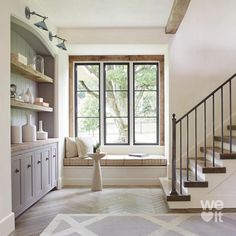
{"x": 62, "y": 45}
{"x": 42, "y": 25}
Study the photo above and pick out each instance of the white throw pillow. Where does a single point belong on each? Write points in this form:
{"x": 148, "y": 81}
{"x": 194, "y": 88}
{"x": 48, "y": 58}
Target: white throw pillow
{"x": 71, "y": 147}
{"x": 84, "y": 145}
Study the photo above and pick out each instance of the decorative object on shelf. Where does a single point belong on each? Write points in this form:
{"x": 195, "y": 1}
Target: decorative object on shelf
{"x": 19, "y": 58}
{"x": 29, "y": 130}
{"x": 41, "y": 135}
{"x": 40, "y": 24}
{"x": 60, "y": 45}
{"x": 96, "y": 148}
{"x": 44, "y": 104}
{"x": 39, "y": 62}
{"x": 38, "y": 100}
{"x": 28, "y": 97}
{"x": 13, "y": 90}
{"x": 16, "y": 134}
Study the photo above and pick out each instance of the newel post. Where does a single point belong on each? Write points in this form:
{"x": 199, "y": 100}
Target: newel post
{"x": 173, "y": 191}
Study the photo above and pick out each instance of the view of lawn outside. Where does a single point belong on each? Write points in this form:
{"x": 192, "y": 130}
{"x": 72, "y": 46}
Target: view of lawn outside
{"x": 117, "y": 102}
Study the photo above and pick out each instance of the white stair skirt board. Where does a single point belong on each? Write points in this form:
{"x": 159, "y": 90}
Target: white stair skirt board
{"x": 7, "y": 224}
{"x": 115, "y": 175}
{"x": 221, "y": 186}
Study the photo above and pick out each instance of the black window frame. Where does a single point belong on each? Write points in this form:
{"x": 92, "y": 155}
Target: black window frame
{"x": 76, "y": 92}
{"x": 157, "y": 103}
{"x": 104, "y": 100}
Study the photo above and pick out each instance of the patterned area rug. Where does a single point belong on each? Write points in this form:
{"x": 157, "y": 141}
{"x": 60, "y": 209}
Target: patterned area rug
{"x": 141, "y": 225}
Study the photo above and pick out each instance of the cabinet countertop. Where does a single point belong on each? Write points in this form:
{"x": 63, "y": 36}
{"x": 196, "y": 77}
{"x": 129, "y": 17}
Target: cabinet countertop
{"x": 29, "y": 145}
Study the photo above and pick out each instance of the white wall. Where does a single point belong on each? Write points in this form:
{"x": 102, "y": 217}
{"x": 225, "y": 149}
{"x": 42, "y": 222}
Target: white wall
{"x": 6, "y": 216}
{"x": 62, "y": 110}
{"x": 202, "y": 53}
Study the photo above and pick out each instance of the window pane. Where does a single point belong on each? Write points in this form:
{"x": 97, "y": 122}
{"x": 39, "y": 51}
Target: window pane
{"x": 87, "y": 104}
{"x": 88, "y": 127}
{"x": 145, "y": 76}
{"x": 117, "y": 130}
{"x": 116, "y": 103}
{"x": 87, "y": 77}
{"x": 116, "y": 77}
{"x": 145, "y": 103}
{"x": 145, "y": 130}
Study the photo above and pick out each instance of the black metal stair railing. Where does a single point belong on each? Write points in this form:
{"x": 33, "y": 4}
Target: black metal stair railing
{"x": 186, "y": 116}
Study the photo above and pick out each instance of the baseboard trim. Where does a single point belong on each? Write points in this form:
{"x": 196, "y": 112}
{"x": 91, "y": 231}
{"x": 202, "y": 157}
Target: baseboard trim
{"x": 7, "y": 224}
{"x": 60, "y": 183}
{"x": 113, "y": 182}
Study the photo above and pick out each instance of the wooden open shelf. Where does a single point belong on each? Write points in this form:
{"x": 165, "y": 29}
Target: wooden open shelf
{"x": 29, "y": 73}
{"x": 23, "y": 105}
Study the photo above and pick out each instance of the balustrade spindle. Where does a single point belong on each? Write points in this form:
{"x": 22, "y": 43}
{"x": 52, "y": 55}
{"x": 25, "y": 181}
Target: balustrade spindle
{"x": 205, "y": 133}
{"x": 222, "y": 119}
{"x": 213, "y": 128}
{"x": 187, "y": 149}
{"x": 180, "y": 155}
{"x": 196, "y": 144}
{"x": 230, "y": 116}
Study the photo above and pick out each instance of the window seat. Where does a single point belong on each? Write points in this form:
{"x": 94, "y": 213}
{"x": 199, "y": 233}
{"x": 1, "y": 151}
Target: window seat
{"x": 119, "y": 160}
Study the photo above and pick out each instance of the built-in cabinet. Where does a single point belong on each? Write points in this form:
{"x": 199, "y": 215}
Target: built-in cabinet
{"x": 34, "y": 173}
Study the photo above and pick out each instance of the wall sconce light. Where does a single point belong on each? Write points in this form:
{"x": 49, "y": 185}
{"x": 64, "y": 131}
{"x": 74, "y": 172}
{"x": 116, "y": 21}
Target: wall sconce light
{"x": 40, "y": 24}
{"x": 60, "y": 45}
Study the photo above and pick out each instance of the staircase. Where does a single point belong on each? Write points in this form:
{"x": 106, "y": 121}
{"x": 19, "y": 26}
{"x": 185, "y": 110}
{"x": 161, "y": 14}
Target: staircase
{"x": 204, "y": 153}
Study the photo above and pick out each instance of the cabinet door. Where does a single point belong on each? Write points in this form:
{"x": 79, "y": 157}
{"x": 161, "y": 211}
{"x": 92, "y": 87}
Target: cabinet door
{"x": 16, "y": 184}
{"x": 46, "y": 170}
{"x": 54, "y": 165}
{"x": 28, "y": 180}
{"x": 38, "y": 167}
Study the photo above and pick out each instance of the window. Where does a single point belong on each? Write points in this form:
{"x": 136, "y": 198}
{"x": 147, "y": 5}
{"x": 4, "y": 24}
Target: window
{"x": 87, "y": 100}
{"x": 119, "y": 102}
{"x": 116, "y": 80}
{"x": 145, "y": 103}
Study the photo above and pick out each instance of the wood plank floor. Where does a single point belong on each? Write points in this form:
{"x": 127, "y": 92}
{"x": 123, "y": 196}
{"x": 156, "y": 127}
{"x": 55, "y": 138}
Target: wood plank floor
{"x": 82, "y": 200}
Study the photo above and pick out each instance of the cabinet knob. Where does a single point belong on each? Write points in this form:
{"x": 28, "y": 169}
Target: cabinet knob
{"x": 28, "y": 166}
{"x": 38, "y": 162}
{"x": 54, "y": 156}
{"x": 16, "y": 171}
{"x": 47, "y": 159}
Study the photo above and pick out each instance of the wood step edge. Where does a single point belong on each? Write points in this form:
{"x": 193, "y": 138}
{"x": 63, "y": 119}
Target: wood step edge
{"x": 232, "y": 127}
{"x": 178, "y": 198}
{"x": 196, "y": 184}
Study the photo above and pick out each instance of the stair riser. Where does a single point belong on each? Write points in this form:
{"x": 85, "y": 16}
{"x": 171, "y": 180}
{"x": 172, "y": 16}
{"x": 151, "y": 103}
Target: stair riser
{"x": 226, "y": 146}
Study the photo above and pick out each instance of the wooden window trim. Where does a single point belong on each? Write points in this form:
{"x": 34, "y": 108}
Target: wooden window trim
{"x": 116, "y": 58}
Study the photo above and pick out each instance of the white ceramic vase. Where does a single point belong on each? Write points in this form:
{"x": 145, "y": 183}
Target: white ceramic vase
{"x": 16, "y": 134}
{"x": 41, "y": 135}
{"x": 29, "y": 130}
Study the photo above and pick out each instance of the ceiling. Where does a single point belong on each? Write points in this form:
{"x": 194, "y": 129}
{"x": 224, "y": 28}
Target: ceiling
{"x": 107, "y": 13}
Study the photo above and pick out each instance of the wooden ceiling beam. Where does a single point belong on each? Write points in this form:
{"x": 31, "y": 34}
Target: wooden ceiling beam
{"x": 177, "y": 14}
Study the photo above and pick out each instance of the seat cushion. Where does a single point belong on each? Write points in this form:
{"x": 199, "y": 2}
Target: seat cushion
{"x": 119, "y": 160}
